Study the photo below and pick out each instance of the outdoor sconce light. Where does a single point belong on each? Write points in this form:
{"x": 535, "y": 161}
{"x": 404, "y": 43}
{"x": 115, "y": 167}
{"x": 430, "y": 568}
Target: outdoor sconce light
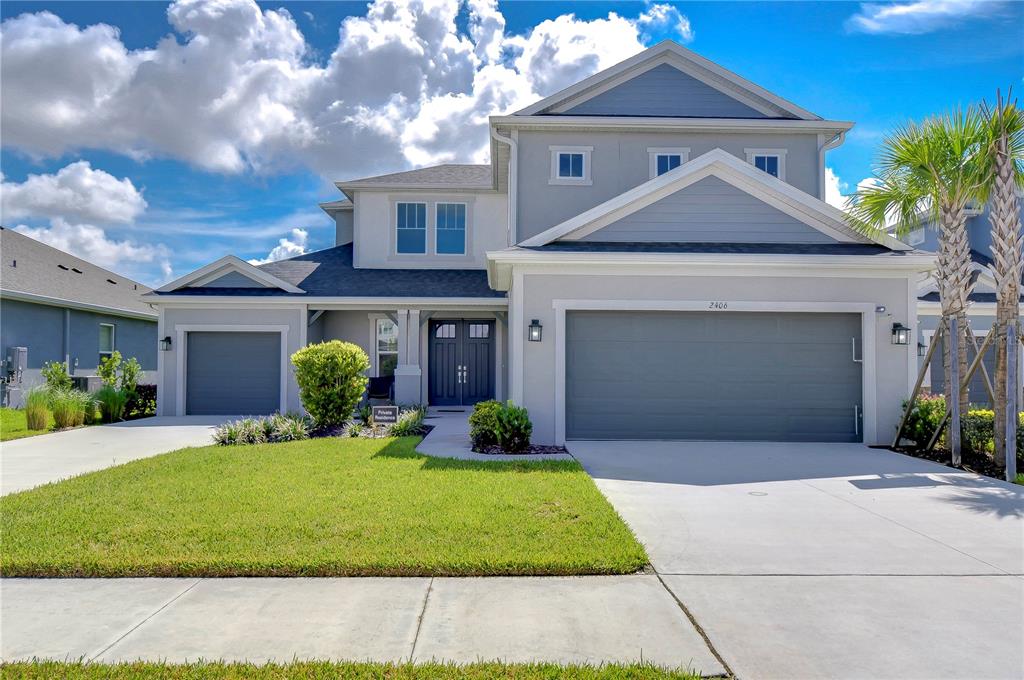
{"x": 900, "y": 334}
{"x": 921, "y": 349}
{"x": 535, "y": 331}
{"x": 165, "y": 344}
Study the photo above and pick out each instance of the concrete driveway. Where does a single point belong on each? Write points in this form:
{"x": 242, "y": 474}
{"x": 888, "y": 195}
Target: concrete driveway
{"x": 828, "y": 560}
{"x": 29, "y": 462}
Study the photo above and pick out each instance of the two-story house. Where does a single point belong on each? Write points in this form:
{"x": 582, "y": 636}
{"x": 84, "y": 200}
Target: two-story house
{"x": 647, "y": 255}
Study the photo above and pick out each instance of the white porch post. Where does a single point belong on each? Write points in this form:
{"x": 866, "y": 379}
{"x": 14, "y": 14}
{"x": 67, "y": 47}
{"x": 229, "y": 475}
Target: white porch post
{"x": 407, "y": 373}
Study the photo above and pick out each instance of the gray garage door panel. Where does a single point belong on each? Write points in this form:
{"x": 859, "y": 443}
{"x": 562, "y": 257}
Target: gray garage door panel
{"x": 233, "y": 373}
{"x": 719, "y": 375}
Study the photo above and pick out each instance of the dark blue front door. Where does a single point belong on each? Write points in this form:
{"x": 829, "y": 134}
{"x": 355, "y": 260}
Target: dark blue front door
{"x": 461, "y": 362}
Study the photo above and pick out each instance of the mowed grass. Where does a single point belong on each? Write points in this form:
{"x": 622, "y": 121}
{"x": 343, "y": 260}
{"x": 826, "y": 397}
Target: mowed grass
{"x": 322, "y": 507}
{"x": 13, "y": 425}
{"x": 324, "y": 670}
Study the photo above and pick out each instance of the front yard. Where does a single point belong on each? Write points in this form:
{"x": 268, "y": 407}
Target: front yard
{"x": 14, "y": 425}
{"x": 321, "y": 507}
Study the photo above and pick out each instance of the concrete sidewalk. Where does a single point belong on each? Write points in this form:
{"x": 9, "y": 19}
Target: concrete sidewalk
{"x": 558, "y": 619}
{"x": 29, "y": 462}
{"x": 450, "y": 438}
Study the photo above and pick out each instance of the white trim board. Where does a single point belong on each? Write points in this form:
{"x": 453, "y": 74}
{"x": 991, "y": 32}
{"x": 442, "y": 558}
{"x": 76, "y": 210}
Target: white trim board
{"x": 226, "y": 265}
{"x": 181, "y": 356}
{"x": 70, "y": 304}
{"x": 865, "y": 309}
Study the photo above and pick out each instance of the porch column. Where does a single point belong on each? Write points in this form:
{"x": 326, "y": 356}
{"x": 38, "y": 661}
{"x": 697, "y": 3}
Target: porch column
{"x": 407, "y": 373}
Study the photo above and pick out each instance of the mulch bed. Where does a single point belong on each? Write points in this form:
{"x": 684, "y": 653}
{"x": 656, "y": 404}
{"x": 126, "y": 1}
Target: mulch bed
{"x": 534, "y": 450}
{"x": 970, "y": 462}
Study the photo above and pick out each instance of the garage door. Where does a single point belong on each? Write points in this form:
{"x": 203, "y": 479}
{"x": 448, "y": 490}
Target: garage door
{"x": 233, "y": 373}
{"x": 725, "y": 375}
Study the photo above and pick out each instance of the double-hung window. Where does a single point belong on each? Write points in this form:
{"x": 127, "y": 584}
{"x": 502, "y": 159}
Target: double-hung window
{"x": 451, "y": 229}
{"x": 387, "y": 347}
{"x": 106, "y": 340}
{"x": 570, "y": 164}
{"x": 411, "y": 228}
{"x": 772, "y": 161}
{"x": 664, "y": 159}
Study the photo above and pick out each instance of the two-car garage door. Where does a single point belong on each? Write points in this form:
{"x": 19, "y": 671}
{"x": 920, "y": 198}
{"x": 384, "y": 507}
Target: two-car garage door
{"x": 713, "y": 375}
{"x": 232, "y": 373}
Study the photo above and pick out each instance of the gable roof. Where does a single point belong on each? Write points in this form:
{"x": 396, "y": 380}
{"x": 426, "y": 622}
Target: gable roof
{"x": 687, "y": 61}
{"x": 744, "y": 176}
{"x": 444, "y": 176}
{"x": 224, "y": 266}
{"x": 331, "y": 207}
{"x": 35, "y": 272}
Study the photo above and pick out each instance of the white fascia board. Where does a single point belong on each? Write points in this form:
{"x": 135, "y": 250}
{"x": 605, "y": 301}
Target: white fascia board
{"x": 224, "y": 265}
{"x": 687, "y": 61}
{"x": 930, "y": 308}
{"x": 228, "y": 301}
{"x": 773, "y": 191}
{"x": 751, "y": 125}
{"x": 348, "y": 187}
{"x": 71, "y": 304}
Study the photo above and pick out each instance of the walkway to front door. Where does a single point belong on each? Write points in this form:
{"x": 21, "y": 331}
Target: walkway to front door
{"x": 461, "y": 357}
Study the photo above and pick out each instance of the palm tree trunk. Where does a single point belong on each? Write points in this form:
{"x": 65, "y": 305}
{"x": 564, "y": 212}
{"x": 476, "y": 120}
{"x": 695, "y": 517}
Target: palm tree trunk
{"x": 1006, "y": 270}
{"x": 955, "y": 286}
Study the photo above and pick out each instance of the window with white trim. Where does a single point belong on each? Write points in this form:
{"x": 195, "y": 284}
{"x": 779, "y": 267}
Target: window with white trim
{"x": 386, "y": 347}
{"x": 664, "y": 159}
{"x": 570, "y": 165}
{"x": 411, "y": 228}
{"x": 106, "y": 340}
{"x": 450, "y": 229}
{"x": 772, "y": 161}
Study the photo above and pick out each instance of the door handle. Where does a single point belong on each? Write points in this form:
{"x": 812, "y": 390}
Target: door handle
{"x": 856, "y": 419}
{"x": 853, "y": 349}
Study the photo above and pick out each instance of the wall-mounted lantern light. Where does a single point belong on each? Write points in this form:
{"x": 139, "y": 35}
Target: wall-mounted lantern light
{"x": 535, "y": 331}
{"x": 165, "y": 344}
{"x": 922, "y": 349}
{"x": 900, "y": 334}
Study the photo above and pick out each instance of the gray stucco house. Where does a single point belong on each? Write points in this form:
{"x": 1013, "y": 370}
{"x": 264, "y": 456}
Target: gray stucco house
{"x": 647, "y": 255}
{"x": 62, "y": 308}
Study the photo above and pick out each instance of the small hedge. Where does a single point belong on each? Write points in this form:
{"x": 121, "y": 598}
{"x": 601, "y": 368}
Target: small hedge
{"x": 504, "y": 425}
{"x": 977, "y": 427}
{"x": 332, "y": 378}
{"x": 483, "y": 423}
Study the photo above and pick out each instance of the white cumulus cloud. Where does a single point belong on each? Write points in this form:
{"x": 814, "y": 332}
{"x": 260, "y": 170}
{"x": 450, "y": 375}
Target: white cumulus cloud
{"x": 76, "y": 193}
{"x": 921, "y": 16}
{"x": 92, "y": 243}
{"x": 286, "y": 247}
{"x": 834, "y": 188}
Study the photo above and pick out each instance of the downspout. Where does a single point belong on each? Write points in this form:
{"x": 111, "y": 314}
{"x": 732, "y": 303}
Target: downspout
{"x": 513, "y": 197}
{"x": 67, "y": 340}
{"x": 836, "y": 140}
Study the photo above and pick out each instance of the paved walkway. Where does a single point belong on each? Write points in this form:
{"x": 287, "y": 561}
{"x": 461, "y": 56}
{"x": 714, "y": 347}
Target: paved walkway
{"x": 450, "y": 438}
{"x": 828, "y": 560}
{"x": 29, "y": 462}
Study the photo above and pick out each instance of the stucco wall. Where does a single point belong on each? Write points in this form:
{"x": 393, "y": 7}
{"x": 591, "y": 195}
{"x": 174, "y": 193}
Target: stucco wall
{"x": 620, "y": 161}
{"x": 892, "y": 363}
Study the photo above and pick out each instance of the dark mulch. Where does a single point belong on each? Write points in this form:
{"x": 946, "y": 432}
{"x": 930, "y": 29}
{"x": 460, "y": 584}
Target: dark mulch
{"x": 535, "y": 449}
{"x": 970, "y": 462}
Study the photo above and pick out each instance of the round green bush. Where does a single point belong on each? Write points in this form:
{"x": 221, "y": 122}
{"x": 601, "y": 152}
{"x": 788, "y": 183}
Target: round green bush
{"x": 483, "y": 423}
{"x": 332, "y": 378}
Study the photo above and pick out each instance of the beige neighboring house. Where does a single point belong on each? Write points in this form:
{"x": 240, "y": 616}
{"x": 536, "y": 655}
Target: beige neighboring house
{"x": 648, "y": 255}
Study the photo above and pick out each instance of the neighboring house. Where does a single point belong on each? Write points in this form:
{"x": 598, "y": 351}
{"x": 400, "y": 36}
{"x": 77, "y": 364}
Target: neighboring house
{"x": 62, "y": 308}
{"x": 648, "y": 255}
{"x": 981, "y": 313}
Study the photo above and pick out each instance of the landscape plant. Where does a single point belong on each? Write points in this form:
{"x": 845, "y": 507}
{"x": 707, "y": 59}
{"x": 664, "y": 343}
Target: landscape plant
{"x": 924, "y": 418}
{"x": 37, "y": 407}
{"x": 262, "y": 430}
{"x": 483, "y": 424}
{"x": 141, "y": 401}
{"x": 55, "y": 373}
{"x": 111, "y": 402}
{"x": 409, "y": 423}
{"x": 108, "y": 369}
{"x": 70, "y": 407}
{"x": 332, "y": 378}
{"x": 513, "y": 428}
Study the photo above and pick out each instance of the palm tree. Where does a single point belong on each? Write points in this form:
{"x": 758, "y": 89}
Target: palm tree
{"x": 1004, "y": 156}
{"x": 930, "y": 172}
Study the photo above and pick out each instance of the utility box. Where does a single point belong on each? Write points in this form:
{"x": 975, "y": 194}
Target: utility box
{"x": 15, "y": 362}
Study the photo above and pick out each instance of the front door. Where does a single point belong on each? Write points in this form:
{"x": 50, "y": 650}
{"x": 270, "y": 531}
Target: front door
{"x": 461, "y": 362}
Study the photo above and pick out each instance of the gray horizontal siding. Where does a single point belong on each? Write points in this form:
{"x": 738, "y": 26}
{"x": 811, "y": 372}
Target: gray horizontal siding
{"x": 709, "y": 211}
{"x": 664, "y": 91}
{"x": 233, "y": 280}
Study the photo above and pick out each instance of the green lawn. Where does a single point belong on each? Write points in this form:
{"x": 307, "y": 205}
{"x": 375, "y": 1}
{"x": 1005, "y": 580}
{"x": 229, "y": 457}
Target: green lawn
{"x": 14, "y": 426}
{"x": 322, "y": 507}
{"x": 324, "y": 670}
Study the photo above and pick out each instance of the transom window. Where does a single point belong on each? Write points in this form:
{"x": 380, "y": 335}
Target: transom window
{"x": 570, "y": 164}
{"x": 772, "y": 161}
{"x": 451, "y": 229}
{"x": 411, "y": 228}
{"x": 106, "y": 340}
{"x": 387, "y": 347}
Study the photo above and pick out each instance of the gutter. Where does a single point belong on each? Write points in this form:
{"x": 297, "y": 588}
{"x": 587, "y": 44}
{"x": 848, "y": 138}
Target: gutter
{"x": 513, "y": 184}
{"x": 71, "y": 304}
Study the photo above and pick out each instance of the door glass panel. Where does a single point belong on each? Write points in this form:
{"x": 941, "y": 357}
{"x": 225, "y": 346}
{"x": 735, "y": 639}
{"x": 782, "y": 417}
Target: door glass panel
{"x": 445, "y": 330}
{"x": 479, "y": 330}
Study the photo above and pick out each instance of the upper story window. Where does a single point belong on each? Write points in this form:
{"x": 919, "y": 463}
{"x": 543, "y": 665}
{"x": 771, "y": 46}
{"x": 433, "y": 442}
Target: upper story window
{"x": 451, "y": 229}
{"x": 411, "y": 227}
{"x": 664, "y": 159}
{"x": 570, "y": 165}
{"x": 106, "y": 340}
{"x": 772, "y": 161}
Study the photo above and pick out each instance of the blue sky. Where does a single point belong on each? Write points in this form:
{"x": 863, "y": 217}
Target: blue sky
{"x": 186, "y": 131}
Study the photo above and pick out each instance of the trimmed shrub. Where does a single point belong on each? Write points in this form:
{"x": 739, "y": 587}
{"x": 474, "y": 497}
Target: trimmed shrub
{"x": 112, "y": 403}
{"x": 513, "y": 428}
{"x": 267, "y": 429}
{"x": 70, "y": 407}
{"x": 130, "y": 372}
{"x": 482, "y": 424}
{"x": 141, "y": 401}
{"x": 978, "y": 428}
{"x": 37, "y": 411}
{"x": 331, "y": 378}
{"x": 410, "y": 423}
{"x": 926, "y": 414}
{"x": 107, "y": 370}
{"x": 56, "y": 375}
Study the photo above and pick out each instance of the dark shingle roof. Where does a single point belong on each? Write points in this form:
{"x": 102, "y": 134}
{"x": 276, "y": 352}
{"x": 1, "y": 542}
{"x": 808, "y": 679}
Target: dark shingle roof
{"x": 36, "y": 269}
{"x": 329, "y": 273}
{"x": 725, "y": 248}
{"x": 449, "y": 174}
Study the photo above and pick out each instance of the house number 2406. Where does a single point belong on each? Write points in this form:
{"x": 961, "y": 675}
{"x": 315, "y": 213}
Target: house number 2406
{"x": 715, "y": 304}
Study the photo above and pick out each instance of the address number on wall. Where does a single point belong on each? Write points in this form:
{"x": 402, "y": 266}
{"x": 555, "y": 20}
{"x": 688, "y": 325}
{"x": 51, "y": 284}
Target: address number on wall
{"x": 718, "y": 304}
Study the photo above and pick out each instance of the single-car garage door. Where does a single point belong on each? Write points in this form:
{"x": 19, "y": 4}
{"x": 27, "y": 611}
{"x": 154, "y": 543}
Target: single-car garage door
{"x": 713, "y": 375}
{"x": 233, "y": 373}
